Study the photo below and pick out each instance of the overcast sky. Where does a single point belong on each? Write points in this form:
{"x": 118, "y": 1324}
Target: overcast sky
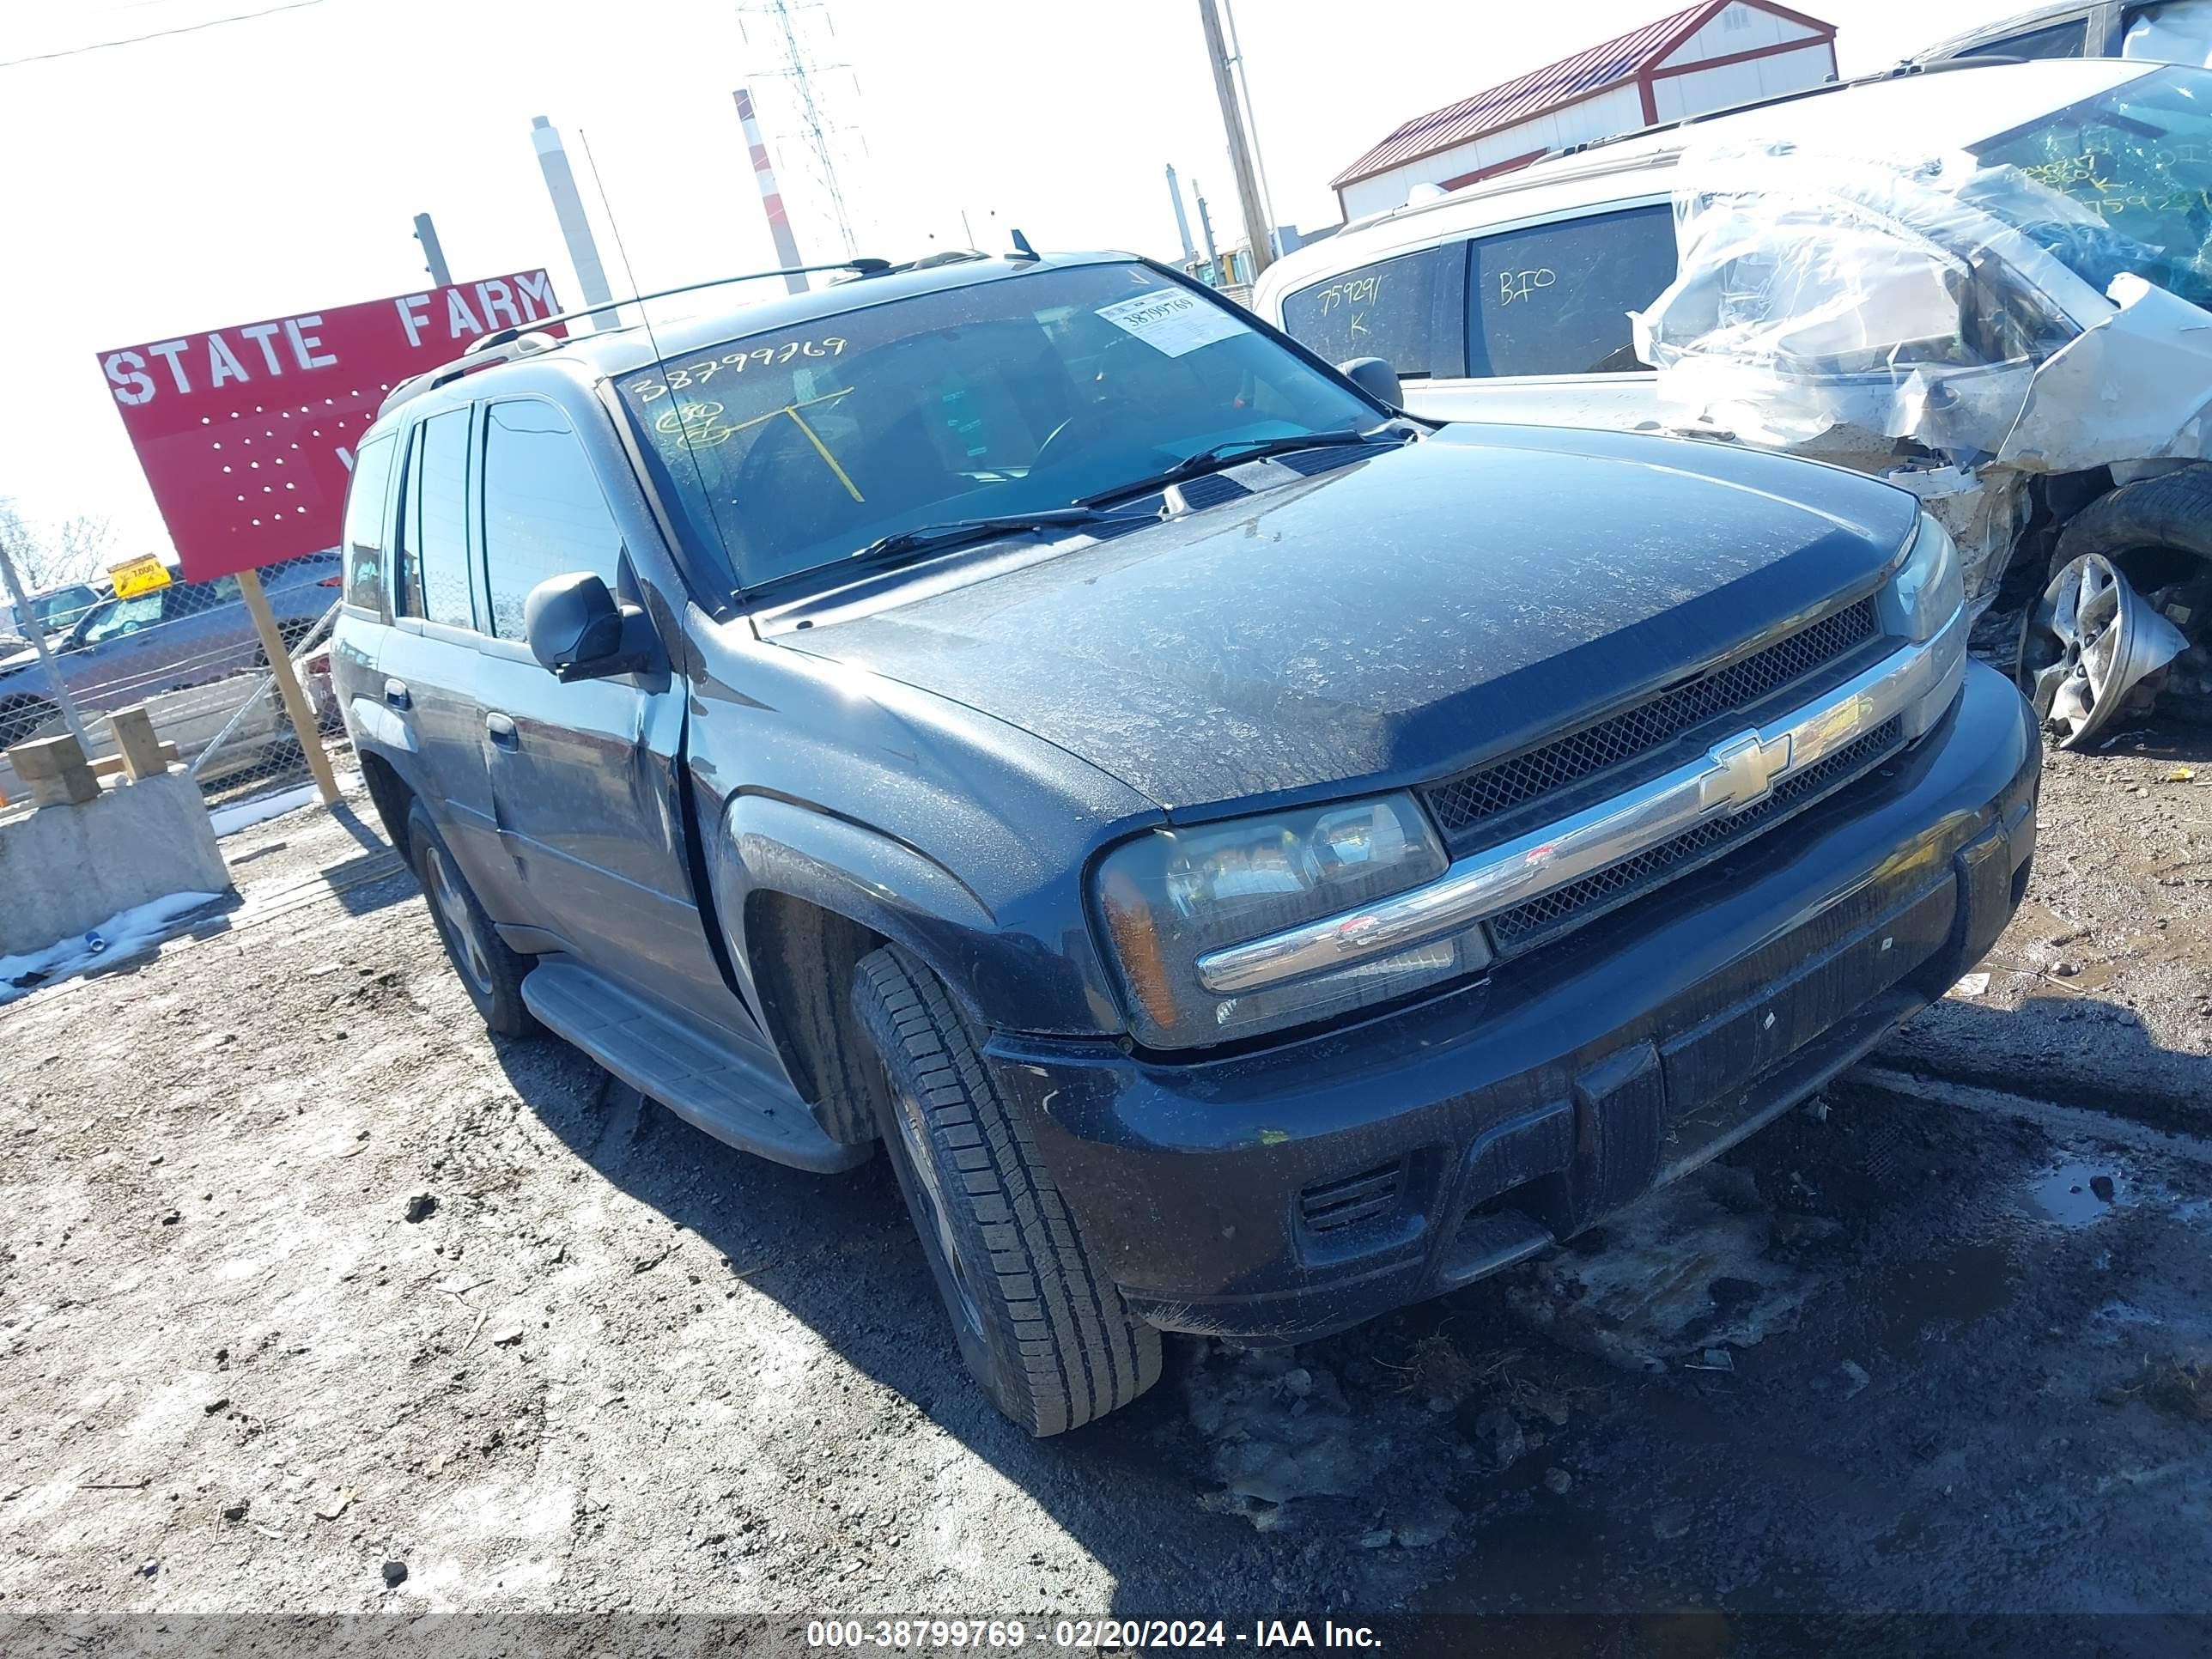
{"x": 272, "y": 166}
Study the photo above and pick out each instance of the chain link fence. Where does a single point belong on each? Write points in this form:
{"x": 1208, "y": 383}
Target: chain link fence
{"x": 191, "y": 654}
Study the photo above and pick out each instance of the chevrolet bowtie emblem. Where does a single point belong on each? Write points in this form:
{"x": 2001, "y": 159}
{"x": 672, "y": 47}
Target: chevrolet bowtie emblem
{"x": 1742, "y": 771}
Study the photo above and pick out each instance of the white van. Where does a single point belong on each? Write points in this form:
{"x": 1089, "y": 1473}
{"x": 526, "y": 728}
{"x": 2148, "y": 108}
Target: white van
{"x": 1510, "y": 299}
{"x": 1980, "y": 280}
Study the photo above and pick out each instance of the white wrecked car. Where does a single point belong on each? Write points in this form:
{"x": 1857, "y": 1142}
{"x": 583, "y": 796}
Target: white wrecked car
{"x": 1984, "y": 285}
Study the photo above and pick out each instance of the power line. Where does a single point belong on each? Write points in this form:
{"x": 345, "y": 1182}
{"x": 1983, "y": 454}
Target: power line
{"x": 157, "y": 34}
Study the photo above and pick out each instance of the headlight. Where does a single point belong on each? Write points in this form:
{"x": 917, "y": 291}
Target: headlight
{"x": 1927, "y": 593}
{"x": 1168, "y": 897}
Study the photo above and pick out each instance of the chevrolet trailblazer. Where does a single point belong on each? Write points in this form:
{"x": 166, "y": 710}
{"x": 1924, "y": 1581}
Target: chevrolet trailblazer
{"x": 1253, "y": 858}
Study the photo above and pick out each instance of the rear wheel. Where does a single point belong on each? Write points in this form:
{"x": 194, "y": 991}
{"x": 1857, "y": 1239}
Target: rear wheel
{"x": 1040, "y": 1325}
{"x": 490, "y": 972}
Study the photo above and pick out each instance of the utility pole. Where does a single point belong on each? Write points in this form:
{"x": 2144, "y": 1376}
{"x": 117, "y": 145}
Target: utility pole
{"x": 30, "y": 626}
{"x": 1205, "y": 227}
{"x": 575, "y": 228}
{"x": 433, "y": 257}
{"x": 1252, "y": 124}
{"x": 1240, "y": 155}
{"x": 1183, "y": 224}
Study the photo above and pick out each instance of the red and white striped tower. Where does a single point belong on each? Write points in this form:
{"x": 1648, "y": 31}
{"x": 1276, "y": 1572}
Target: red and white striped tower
{"x": 778, "y": 226}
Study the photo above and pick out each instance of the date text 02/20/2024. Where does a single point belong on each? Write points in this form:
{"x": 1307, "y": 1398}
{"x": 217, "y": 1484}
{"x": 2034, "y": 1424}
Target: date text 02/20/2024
{"x": 1112, "y": 1635}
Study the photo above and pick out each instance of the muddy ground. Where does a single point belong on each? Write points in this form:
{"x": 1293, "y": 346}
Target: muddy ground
{"x": 314, "y": 1297}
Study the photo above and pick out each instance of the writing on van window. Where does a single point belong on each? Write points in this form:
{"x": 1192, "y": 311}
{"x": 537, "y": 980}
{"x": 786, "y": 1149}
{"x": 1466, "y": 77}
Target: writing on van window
{"x": 1554, "y": 298}
{"x": 1361, "y": 291}
{"x": 1356, "y": 297}
{"x": 1404, "y": 310}
{"x": 679, "y": 376}
{"x": 1520, "y": 284}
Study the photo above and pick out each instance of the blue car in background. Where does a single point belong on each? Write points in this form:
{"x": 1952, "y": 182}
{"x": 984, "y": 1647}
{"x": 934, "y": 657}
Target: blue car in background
{"x": 121, "y": 652}
{"x": 55, "y": 612}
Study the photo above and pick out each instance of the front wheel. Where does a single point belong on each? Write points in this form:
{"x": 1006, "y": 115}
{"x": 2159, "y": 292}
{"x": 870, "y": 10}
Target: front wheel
{"x": 1041, "y": 1326}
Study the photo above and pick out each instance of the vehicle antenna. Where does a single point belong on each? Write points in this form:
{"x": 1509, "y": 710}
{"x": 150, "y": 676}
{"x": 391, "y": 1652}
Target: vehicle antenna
{"x": 645, "y": 316}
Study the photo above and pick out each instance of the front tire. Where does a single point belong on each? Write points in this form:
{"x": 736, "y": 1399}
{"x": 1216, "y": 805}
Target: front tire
{"x": 1041, "y": 1326}
{"x": 488, "y": 971}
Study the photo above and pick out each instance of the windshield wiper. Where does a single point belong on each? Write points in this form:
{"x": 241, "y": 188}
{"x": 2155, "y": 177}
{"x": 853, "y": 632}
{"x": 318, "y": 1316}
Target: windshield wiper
{"x": 1234, "y": 451}
{"x": 953, "y": 532}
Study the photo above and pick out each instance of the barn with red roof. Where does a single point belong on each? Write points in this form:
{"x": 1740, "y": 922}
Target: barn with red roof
{"x": 1707, "y": 57}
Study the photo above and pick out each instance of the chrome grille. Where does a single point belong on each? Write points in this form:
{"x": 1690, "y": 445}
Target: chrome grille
{"x": 1526, "y": 925}
{"x": 1465, "y": 801}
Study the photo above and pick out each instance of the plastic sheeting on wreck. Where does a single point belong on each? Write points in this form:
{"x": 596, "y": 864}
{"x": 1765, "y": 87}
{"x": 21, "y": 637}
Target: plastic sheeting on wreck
{"x": 1952, "y": 326}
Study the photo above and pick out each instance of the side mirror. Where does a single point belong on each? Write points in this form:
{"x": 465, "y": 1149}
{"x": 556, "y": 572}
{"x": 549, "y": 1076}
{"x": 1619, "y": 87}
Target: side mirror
{"x": 577, "y": 631}
{"x": 1375, "y": 377}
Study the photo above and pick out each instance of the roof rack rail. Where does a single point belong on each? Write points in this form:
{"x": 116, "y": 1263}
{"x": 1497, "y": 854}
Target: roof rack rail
{"x": 504, "y": 345}
{"x": 865, "y": 267}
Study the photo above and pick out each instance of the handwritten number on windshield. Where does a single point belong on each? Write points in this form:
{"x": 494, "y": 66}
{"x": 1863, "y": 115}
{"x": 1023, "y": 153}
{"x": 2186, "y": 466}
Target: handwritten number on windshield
{"x": 684, "y": 375}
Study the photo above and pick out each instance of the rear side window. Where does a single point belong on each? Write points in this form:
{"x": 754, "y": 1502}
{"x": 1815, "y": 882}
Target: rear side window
{"x": 363, "y": 534}
{"x": 434, "y": 522}
{"x": 1554, "y": 298}
{"x": 543, "y": 515}
{"x": 1405, "y": 311}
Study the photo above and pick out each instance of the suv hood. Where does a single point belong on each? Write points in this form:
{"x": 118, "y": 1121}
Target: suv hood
{"x": 1412, "y": 613}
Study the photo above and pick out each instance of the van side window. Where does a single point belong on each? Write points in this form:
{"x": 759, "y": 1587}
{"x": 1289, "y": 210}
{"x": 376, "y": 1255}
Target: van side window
{"x": 2067, "y": 39}
{"x": 1405, "y": 310}
{"x": 1554, "y": 298}
{"x": 543, "y": 515}
{"x": 363, "y": 534}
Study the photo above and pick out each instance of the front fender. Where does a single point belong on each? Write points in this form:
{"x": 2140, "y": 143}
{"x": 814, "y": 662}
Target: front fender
{"x": 1003, "y": 976}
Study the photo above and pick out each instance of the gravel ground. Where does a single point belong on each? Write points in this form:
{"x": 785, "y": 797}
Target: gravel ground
{"x": 315, "y": 1298}
{"x": 2100, "y": 994}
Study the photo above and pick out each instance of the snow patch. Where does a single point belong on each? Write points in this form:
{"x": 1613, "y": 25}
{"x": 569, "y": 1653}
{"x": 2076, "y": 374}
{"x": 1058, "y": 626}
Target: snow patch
{"x": 244, "y": 815}
{"x": 122, "y": 935}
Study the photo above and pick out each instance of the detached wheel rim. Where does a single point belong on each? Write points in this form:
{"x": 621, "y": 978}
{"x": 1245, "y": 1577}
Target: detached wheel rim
{"x": 936, "y": 1221}
{"x": 2087, "y": 644}
{"x": 466, "y": 949}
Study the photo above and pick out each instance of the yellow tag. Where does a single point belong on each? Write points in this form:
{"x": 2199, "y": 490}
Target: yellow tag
{"x": 145, "y": 574}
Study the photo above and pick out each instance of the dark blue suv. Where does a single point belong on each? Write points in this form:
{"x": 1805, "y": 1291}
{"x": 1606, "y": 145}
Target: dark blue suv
{"x": 1255, "y": 859}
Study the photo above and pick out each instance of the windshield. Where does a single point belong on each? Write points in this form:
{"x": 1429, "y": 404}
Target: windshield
{"x": 2138, "y": 157}
{"x": 786, "y": 451}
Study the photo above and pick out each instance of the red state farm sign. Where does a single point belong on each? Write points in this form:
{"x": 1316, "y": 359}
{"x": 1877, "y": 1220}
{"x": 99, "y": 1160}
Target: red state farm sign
{"x": 247, "y": 433}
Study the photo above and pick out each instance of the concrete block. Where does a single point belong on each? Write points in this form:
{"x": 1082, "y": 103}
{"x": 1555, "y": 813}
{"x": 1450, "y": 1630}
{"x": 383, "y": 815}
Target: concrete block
{"x": 133, "y": 729}
{"x": 65, "y": 869}
{"x": 56, "y": 770}
{"x": 112, "y": 766}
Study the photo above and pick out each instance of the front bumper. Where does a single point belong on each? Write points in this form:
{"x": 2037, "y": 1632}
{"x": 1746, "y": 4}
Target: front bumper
{"x": 1284, "y": 1193}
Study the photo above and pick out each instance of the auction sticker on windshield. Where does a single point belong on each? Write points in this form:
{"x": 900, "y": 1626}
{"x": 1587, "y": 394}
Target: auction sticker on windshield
{"x": 142, "y": 574}
{"x": 1172, "y": 323}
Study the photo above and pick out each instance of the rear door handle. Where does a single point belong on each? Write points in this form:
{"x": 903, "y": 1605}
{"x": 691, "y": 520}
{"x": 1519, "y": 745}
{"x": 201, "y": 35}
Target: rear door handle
{"x": 501, "y": 729}
{"x": 395, "y": 693}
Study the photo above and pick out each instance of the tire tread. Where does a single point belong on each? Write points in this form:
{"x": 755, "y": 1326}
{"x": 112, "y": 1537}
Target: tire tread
{"x": 1080, "y": 1354}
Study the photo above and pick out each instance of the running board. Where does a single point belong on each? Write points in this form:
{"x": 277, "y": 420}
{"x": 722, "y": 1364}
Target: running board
{"x": 708, "y": 1083}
